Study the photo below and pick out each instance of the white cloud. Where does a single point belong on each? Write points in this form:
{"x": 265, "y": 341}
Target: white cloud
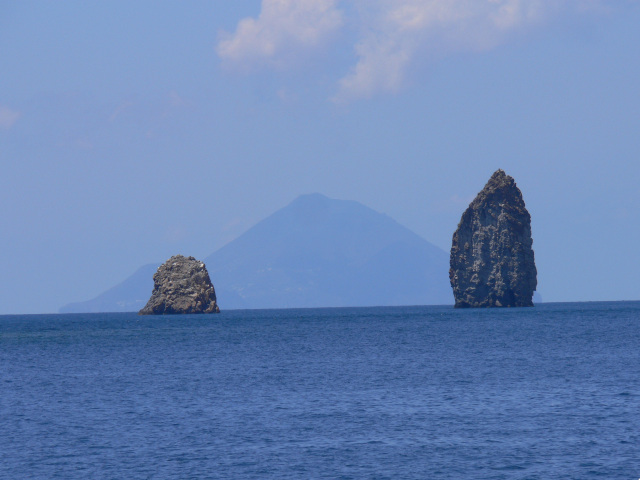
{"x": 404, "y": 30}
{"x": 393, "y": 35}
{"x": 8, "y": 117}
{"x": 120, "y": 109}
{"x": 282, "y": 28}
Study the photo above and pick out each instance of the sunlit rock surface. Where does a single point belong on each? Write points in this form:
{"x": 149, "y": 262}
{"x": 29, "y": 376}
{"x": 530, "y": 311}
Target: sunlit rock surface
{"x": 492, "y": 262}
{"x": 181, "y": 285}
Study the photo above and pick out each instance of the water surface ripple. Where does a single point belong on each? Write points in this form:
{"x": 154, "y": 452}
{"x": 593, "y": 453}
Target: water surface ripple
{"x": 401, "y": 392}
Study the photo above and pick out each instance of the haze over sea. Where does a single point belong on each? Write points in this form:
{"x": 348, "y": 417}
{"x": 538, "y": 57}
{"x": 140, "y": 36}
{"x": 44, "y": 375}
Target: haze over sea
{"x": 402, "y": 392}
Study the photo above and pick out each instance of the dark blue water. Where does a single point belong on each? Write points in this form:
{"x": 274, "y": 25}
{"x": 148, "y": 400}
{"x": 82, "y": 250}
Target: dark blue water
{"x": 420, "y": 392}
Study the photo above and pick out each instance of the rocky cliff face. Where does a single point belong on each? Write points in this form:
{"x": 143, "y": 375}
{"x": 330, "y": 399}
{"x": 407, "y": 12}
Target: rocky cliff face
{"x": 181, "y": 285}
{"x": 492, "y": 262}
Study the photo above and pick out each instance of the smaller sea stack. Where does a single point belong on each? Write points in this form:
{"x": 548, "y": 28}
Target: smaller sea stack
{"x": 491, "y": 262}
{"x": 181, "y": 285}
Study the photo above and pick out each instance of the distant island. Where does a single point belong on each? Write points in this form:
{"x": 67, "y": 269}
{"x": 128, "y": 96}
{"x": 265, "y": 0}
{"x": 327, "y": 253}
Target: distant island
{"x": 321, "y": 252}
{"x": 314, "y": 252}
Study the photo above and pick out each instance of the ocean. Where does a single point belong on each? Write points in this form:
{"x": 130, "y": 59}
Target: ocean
{"x": 551, "y": 392}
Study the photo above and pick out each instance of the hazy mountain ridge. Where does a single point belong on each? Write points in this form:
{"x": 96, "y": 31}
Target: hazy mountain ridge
{"x": 128, "y": 296}
{"x": 315, "y": 252}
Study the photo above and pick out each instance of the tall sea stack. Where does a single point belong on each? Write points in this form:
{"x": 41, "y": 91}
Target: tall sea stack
{"x": 492, "y": 262}
{"x": 181, "y": 285}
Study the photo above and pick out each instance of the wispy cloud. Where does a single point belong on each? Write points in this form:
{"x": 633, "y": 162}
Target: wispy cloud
{"x": 176, "y": 101}
{"x": 401, "y": 32}
{"x": 283, "y": 28}
{"x": 8, "y": 117}
{"x": 392, "y": 34}
{"x": 119, "y": 110}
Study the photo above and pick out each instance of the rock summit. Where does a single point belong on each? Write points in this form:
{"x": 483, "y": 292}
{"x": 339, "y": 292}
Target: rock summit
{"x": 181, "y": 285}
{"x": 492, "y": 262}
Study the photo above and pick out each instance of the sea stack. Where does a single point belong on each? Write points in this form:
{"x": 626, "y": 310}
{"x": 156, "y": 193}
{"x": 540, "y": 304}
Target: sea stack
{"x": 181, "y": 285}
{"x": 492, "y": 262}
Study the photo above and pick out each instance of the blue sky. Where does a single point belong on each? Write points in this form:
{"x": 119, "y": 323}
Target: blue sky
{"x": 132, "y": 131}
